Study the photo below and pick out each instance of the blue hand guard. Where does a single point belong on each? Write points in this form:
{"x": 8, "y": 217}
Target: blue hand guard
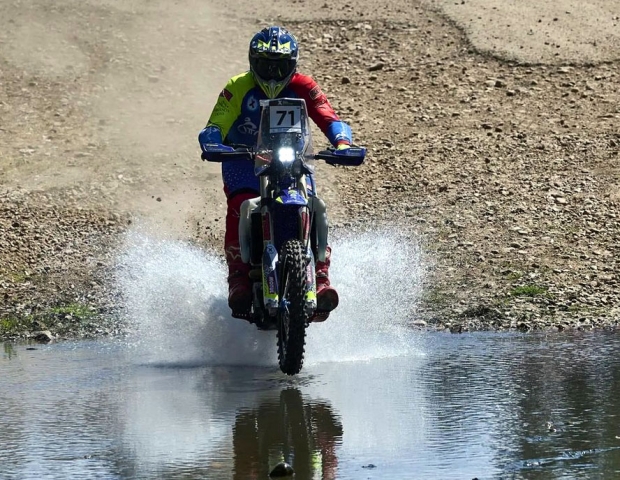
{"x": 209, "y": 136}
{"x": 213, "y": 151}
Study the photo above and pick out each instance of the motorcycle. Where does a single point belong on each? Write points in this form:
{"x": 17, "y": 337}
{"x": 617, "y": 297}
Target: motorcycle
{"x": 284, "y": 230}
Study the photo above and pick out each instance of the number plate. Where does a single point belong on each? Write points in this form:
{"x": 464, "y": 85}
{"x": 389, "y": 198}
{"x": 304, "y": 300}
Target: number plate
{"x": 285, "y": 119}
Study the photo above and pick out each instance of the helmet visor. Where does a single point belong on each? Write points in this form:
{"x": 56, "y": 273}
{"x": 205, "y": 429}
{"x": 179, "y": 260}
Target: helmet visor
{"x": 269, "y": 69}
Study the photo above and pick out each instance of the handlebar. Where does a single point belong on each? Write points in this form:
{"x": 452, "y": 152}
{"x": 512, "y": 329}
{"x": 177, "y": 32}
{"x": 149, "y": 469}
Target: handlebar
{"x": 216, "y": 152}
{"x": 351, "y": 157}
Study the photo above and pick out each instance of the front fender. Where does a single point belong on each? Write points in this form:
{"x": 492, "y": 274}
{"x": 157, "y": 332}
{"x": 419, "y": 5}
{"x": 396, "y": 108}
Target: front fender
{"x": 291, "y": 197}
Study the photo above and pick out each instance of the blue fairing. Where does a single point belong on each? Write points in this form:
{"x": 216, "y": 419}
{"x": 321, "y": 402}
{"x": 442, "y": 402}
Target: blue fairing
{"x": 285, "y": 218}
{"x": 291, "y": 197}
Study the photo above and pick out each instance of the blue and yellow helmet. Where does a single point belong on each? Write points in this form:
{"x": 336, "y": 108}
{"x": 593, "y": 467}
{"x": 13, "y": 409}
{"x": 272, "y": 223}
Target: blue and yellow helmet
{"x": 273, "y": 59}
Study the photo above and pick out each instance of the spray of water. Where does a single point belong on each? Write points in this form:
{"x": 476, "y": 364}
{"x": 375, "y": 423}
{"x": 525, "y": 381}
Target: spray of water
{"x": 175, "y": 298}
{"x": 378, "y": 275}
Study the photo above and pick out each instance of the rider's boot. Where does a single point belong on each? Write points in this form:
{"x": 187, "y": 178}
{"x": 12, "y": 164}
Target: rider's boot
{"x": 327, "y": 296}
{"x": 239, "y": 289}
{"x": 239, "y": 283}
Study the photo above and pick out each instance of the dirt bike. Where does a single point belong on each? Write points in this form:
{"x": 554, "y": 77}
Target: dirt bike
{"x": 284, "y": 230}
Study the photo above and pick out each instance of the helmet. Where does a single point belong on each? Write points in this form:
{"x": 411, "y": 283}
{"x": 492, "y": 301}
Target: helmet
{"x": 273, "y": 59}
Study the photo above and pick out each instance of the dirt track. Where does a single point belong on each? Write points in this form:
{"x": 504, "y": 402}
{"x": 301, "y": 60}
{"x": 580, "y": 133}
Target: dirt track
{"x": 497, "y": 146}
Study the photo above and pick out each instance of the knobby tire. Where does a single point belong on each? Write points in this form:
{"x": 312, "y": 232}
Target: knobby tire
{"x": 292, "y": 322}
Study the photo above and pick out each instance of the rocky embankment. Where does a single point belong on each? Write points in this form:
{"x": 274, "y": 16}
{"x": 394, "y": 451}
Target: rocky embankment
{"x": 508, "y": 172}
{"x": 56, "y": 268}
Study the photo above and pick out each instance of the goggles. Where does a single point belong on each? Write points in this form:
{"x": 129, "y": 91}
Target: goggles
{"x": 269, "y": 69}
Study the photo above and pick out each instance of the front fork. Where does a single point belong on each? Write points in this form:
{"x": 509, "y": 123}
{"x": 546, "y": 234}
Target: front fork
{"x": 270, "y": 279}
{"x": 271, "y": 282}
{"x": 310, "y": 300}
{"x": 270, "y": 259}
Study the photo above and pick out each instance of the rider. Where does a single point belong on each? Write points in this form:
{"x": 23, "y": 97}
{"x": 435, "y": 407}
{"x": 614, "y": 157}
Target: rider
{"x": 235, "y": 118}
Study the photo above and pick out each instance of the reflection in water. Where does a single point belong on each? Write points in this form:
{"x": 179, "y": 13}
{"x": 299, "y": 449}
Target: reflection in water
{"x": 538, "y": 406}
{"x": 482, "y": 406}
{"x": 9, "y": 351}
{"x": 302, "y": 433}
{"x": 225, "y": 423}
{"x": 568, "y": 411}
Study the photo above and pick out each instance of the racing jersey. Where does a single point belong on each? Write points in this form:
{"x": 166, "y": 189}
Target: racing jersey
{"x": 236, "y": 116}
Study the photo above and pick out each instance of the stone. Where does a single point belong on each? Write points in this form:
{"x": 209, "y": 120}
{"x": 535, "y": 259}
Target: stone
{"x": 43, "y": 336}
{"x": 376, "y": 67}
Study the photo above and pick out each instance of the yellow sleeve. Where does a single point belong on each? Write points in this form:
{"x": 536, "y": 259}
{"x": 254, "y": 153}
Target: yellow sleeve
{"x": 228, "y": 106}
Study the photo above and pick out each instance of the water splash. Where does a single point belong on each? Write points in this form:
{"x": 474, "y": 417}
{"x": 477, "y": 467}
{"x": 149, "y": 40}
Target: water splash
{"x": 378, "y": 275}
{"x": 176, "y": 303}
{"x": 175, "y": 299}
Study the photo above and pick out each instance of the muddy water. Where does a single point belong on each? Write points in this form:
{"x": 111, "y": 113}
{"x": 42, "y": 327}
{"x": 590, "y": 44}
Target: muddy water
{"x": 454, "y": 406}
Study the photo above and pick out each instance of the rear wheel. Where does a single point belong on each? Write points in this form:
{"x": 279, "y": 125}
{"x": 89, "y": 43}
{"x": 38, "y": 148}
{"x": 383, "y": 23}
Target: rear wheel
{"x": 292, "y": 317}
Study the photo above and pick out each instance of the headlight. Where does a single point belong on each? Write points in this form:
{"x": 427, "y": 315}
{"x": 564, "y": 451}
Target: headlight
{"x": 286, "y": 154}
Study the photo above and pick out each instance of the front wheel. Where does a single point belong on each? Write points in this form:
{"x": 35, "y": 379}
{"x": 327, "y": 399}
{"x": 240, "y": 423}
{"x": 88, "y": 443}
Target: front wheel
{"x": 292, "y": 315}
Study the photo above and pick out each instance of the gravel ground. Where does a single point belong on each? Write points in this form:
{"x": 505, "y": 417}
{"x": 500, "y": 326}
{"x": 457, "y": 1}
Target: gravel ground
{"x": 502, "y": 161}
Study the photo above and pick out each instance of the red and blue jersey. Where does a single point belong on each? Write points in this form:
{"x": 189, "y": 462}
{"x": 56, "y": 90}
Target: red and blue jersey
{"x": 236, "y": 116}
